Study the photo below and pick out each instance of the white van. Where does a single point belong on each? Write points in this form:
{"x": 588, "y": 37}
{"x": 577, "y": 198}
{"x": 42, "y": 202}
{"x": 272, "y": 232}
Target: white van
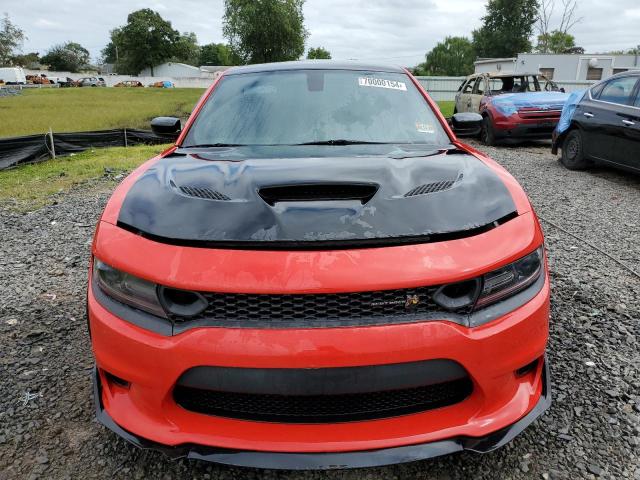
{"x": 13, "y": 76}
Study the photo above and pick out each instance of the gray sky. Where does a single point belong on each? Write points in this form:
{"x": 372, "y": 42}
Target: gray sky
{"x": 396, "y": 31}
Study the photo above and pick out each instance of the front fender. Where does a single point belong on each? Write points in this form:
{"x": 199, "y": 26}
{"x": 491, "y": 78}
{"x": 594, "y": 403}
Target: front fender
{"x": 557, "y": 139}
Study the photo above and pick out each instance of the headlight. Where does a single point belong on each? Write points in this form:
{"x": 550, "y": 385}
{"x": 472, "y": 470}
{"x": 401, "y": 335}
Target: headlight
{"x": 510, "y": 279}
{"x": 125, "y": 288}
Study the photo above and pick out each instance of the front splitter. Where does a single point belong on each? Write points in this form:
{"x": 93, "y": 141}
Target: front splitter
{"x": 331, "y": 461}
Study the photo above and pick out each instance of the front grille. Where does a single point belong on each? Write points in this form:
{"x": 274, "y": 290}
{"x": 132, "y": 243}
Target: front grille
{"x": 322, "y": 408}
{"x": 540, "y": 114}
{"x": 318, "y": 310}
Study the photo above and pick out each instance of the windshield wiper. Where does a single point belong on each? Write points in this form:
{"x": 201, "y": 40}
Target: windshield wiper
{"x": 213, "y": 145}
{"x": 341, "y": 141}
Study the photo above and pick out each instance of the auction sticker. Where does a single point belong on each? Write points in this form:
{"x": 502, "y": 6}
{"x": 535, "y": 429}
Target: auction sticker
{"x": 381, "y": 83}
{"x": 425, "y": 127}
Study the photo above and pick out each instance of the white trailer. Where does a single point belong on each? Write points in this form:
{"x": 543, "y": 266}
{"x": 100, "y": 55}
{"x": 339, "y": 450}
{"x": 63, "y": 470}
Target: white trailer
{"x": 13, "y": 76}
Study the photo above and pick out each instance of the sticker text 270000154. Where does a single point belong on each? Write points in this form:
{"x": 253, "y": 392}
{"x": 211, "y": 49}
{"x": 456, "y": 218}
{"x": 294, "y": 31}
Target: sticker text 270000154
{"x": 382, "y": 83}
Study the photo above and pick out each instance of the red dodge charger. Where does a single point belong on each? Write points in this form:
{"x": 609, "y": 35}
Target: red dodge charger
{"x": 318, "y": 275}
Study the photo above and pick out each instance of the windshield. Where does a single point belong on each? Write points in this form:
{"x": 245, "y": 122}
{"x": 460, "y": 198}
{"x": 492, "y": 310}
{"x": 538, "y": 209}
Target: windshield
{"x": 336, "y": 107}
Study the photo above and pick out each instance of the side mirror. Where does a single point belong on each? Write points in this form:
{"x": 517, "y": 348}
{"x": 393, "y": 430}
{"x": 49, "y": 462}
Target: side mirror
{"x": 466, "y": 124}
{"x": 166, "y": 126}
{"x": 563, "y": 90}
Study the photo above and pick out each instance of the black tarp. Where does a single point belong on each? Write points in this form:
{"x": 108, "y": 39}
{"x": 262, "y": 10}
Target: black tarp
{"x": 35, "y": 148}
{"x": 17, "y": 150}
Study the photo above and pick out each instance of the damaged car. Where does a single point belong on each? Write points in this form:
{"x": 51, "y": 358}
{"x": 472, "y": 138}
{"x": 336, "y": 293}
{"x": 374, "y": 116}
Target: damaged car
{"x": 514, "y": 106}
{"x": 601, "y": 126}
{"x": 318, "y": 275}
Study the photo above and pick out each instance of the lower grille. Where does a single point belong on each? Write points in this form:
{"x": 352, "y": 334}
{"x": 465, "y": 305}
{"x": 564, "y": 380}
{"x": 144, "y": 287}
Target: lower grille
{"x": 322, "y": 408}
{"x": 540, "y": 129}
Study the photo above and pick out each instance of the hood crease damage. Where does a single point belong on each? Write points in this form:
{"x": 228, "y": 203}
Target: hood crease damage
{"x": 192, "y": 200}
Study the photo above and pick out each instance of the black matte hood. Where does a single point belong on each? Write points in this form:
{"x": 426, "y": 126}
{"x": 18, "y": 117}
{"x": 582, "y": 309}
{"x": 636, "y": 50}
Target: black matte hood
{"x": 201, "y": 200}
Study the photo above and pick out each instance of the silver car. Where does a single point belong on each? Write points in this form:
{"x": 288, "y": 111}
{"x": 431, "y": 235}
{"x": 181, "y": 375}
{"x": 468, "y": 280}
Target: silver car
{"x": 92, "y": 82}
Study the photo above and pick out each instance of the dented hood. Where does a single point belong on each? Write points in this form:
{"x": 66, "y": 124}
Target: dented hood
{"x": 263, "y": 202}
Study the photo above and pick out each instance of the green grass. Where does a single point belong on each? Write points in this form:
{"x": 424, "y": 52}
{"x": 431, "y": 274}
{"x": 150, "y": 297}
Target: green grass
{"x": 83, "y": 109}
{"x": 31, "y": 186}
{"x": 447, "y": 108}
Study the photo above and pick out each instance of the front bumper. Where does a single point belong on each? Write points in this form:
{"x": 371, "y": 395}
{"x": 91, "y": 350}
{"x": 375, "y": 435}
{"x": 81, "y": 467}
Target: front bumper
{"x": 556, "y": 140}
{"x": 502, "y": 403}
{"x": 337, "y": 460}
{"x": 526, "y": 128}
{"x": 491, "y": 353}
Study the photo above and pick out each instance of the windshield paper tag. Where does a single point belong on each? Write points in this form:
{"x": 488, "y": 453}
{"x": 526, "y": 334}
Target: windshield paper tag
{"x": 425, "y": 127}
{"x": 381, "y": 83}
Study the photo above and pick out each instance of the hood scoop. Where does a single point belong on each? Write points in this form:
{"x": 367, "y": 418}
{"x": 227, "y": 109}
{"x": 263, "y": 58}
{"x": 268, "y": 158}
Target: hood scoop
{"x": 318, "y": 192}
{"x": 433, "y": 187}
{"x": 200, "y": 191}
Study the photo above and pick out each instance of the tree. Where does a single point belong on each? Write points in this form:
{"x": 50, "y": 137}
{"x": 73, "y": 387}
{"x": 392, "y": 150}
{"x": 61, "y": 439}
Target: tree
{"x": 68, "y": 57}
{"x": 110, "y": 52}
{"x": 506, "y": 28}
{"x": 186, "y": 49}
{"x": 631, "y": 51}
{"x": 215, "y": 54}
{"x": 145, "y": 41}
{"x": 555, "y": 42}
{"x": 261, "y": 31}
{"x": 319, "y": 53}
{"x": 11, "y": 37}
{"x": 453, "y": 57}
{"x": 28, "y": 60}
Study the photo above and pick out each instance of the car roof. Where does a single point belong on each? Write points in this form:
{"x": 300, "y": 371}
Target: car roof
{"x": 510, "y": 74}
{"x": 628, "y": 73}
{"x": 314, "y": 65}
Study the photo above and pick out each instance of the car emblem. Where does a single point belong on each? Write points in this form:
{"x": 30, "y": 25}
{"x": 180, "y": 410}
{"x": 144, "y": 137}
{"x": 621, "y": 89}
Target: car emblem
{"x": 409, "y": 302}
{"x": 412, "y": 301}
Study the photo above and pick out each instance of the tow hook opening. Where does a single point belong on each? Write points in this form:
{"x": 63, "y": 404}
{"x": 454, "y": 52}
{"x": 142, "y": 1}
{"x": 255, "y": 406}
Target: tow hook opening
{"x": 528, "y": 368}
{"x": 115, "y": 380}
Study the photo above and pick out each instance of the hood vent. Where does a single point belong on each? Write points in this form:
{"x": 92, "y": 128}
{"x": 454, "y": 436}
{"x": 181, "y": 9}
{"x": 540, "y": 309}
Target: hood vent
{"x": 433, "y": 187}
{"x": 203, "y": 192}
{"x": 363, "y": 192}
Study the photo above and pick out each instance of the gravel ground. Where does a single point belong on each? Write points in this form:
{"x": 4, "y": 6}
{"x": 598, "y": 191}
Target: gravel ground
{"x": 47, "y": 428}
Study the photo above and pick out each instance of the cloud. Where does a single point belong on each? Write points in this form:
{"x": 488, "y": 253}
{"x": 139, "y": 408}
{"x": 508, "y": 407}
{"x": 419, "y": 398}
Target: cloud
{"x": 396, "y": 31}
{"x": 44, "y": 24}
{"x": 632, "y": 13}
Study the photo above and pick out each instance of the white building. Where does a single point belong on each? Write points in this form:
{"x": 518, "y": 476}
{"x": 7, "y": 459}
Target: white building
{"x": 182, "y": 70}
{"x": 562, "y": 67}
{"x": 215, "y": 70}
{"x": 171, "y": 69}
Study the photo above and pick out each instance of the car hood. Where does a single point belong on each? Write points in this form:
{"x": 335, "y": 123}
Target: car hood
{"x": 510, "y": 103}
{"x": 200, "y": 199}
